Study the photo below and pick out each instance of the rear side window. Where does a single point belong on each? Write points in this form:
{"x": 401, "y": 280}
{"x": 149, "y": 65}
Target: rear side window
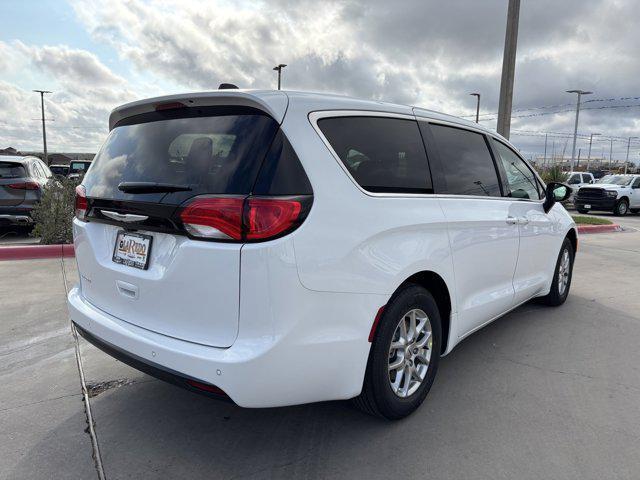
{"x": 78, "y": 166}
{"x": 216, "y": 150}
{"x": 381, "y": 154}
{"x": 467, "y": 165}
{"x": 520, "y": 179}
{"x": 281, "y": 172}
{"x": 11, "y": 170}
{"x": 574, "y": 179}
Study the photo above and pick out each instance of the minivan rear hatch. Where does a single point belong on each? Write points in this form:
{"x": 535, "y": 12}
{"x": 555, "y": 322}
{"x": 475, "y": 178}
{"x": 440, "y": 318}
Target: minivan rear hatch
{"x": 135, "y": 260}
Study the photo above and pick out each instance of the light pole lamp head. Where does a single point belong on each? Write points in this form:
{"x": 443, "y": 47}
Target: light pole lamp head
{"x": 579, "y": 92}
{"x": 280, "y": 66}
{"x": 475, "y": 94}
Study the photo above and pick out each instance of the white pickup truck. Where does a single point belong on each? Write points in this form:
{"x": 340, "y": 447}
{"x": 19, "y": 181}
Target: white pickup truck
{"x": 619, "y": 195}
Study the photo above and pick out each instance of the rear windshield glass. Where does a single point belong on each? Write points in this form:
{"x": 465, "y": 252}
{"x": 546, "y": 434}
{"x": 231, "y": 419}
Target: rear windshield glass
{"x": 11, "y": 170}
{"x": 211, "y": 151}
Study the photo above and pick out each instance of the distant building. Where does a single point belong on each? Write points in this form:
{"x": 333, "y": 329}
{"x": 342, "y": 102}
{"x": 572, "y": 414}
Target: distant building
{"x": 9, "y": 151}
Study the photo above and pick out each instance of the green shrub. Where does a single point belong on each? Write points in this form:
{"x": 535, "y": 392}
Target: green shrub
{"x": 554, "y": 174}
{"x": 54, "y": 213}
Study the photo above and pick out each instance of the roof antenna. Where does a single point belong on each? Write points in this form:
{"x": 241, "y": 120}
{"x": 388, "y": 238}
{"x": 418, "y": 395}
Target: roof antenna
{"x": 227, "y": 86}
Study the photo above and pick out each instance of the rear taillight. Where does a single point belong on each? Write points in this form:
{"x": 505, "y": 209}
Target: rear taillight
{"x": 28, "y": 185}
{"x": 269, "y": 217}
{"x": 81, "y": 202}
{"x": 243, "y": 218}
{"x": 214, "y": 217}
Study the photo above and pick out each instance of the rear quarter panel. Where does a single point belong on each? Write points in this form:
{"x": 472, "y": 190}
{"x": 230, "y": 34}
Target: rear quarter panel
{"x": 353, "y": 242}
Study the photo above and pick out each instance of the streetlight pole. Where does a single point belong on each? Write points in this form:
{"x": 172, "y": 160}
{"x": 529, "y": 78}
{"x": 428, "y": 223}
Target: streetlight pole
{"x": 575, "y": 130}
{"x": 44, "y": 128}
{"x": 544, "y": 159}
{"x": 279, "y": 68}
{"x": 508, "y": 69}
{"x": 589, "y": 155}
{"x": 627, "y": 160}
{"x": 477, "y": 95}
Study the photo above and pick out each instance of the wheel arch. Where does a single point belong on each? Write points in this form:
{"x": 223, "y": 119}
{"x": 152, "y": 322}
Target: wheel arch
{"x": 438, "y": 288}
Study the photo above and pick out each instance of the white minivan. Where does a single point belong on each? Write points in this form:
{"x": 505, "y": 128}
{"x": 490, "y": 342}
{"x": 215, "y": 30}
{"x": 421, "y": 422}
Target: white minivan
{"x": 278, "y": 248}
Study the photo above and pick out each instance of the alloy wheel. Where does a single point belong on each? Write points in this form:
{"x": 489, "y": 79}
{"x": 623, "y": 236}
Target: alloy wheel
{"x": 410, "y": 353}
{"x": 563, "y": 271}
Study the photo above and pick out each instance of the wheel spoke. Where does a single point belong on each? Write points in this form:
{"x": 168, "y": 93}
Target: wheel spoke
{"x": 396, "y": 364}
{"x": 412, "y": 325}
{"x": 407, "y": 381}
{"x": 423, "y": 341}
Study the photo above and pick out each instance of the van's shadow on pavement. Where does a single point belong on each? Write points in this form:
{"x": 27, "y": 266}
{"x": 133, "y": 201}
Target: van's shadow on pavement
{"x": 502, "y": 400}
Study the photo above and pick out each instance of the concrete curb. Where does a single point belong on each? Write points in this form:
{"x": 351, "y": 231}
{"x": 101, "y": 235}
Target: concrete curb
{"x": 30, "y": 252}
{"x": 599, "y": 228}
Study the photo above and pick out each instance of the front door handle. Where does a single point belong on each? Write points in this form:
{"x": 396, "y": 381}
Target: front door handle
{"x": 512, "y": 220}
{"x": 523, "y": 221}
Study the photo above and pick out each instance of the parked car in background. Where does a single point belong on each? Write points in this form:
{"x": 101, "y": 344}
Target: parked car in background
{"x": 22, "y": 180}
{"x": 577, "y": 180}
{"x": 59, "y": 170}
{"x": 282, "y": 248}
{"x": 620, "y": 194}
{"x": 77, "y": 168}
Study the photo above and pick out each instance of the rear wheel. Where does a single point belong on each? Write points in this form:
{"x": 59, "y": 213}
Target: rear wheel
{"x": 621, "y": 208}
{"x": 561, "y": 276}
{"x": 404, "y": 356}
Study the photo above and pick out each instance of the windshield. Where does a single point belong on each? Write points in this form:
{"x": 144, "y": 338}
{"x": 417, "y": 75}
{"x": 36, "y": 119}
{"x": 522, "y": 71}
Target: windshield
{"x": 220, "y": 153}
{"x": 622, "y": 180}
{"x": 605, "y": 179}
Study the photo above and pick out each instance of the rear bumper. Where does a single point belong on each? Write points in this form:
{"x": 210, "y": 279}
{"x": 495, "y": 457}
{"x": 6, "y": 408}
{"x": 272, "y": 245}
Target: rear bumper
{"x": 150, "y": 368}
{"x": 596, "y": 203}
{"x": 301, "y": 365}
{"x": 15, "y": 219}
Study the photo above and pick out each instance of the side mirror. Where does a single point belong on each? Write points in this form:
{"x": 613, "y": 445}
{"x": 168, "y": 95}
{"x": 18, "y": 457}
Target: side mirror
{"x": 556, "y": 192}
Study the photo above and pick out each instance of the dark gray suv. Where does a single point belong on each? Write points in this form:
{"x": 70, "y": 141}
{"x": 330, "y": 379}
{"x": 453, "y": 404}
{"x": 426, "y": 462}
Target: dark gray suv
{"x": 21, "y": 182}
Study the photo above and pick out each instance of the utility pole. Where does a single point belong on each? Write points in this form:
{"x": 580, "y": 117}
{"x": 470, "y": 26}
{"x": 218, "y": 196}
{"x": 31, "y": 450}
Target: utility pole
{"x": 575, "y": 130}
{"x": 544, "y": 159}
{"x": 44, "y": 129}
{"x": 589, "y": 156}
{"x": 477, "y": 106}
{"x": 627, "y": 160}
{"x": 610, "y": 152}
{"x": 279, "y": 68}
{"x": 508, "y": 69}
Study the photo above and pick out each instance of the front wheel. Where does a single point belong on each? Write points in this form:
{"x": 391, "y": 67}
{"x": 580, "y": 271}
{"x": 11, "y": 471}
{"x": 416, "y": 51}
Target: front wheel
{"x": 561, "y": 276}
{"x": 621, "y": 208}
{"x": 404, "y": 355}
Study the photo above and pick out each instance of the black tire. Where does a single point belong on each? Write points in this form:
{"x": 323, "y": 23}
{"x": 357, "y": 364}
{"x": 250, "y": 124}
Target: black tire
{"x": 556, "y": 298}
{"x": 377, "y": 397}
{"x": 621, "y": 208}
{"x": 582, "y": 210}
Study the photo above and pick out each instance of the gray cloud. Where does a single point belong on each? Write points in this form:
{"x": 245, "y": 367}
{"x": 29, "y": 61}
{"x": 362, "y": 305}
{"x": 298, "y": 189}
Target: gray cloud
{"x": 430, "y": 53}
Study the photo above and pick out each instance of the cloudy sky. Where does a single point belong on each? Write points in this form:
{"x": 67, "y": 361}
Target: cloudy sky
{"x": 95, "y": 55}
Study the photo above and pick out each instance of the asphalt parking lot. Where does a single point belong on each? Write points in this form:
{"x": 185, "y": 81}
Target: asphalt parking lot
{"x": 540, "y": 393}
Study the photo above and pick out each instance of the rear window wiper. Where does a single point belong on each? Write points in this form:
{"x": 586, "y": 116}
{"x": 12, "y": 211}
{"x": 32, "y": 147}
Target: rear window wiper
{"x": 152, "y": 187}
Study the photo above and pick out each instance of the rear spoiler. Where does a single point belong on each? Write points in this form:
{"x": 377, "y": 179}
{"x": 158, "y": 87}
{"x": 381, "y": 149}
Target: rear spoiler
{"x": 271, "y": 102}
